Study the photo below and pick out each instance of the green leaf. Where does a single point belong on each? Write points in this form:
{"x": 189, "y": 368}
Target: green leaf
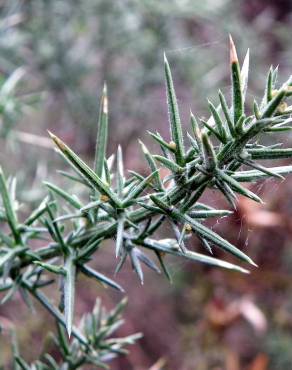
{"x": 196, "y": 132}
{"x": 170, "y": 246}
{"x": 100, "y": 277}
{"x": 227, "y": 114}
{"x": 159, "y": 255}
{"x": 257, "y": 127}
{"x": 152, "y": 165}
{"x": 240, "y": 126}
{"x": 23, "y": 365}
{"x": 219, "y": 123}
{"x": 165, "y": 207}
{"x": 79, "y": 180}
{"x": 121, "y": 262}
{"x": 227, "y": 192}
{"x": 191, "y": 200}
{"x": 261, "y": 168}
{"x": 54, "y": 230}
{"x": 102, "y": 134}
{"x": 85, "y": 171}
{"x": 256, "y": 110}
{"x": 209, "y": 213}
{"x": 278, "y": 129}
{"x": 161, "y": 142}
{"x": 269, "y": 88}
{"x": 237, "y": 92}
{"x": 114, "y": 314}
{"x": 41, "y": 297}
{"x": 90, "y": 248}
{"x": 210, "y": 159}
{"x": 253, "y": 175}
{"x": 244, "y": 75}
{"x": 136, "y": 265}
{"x": 120, "y": 172}
{"x": 51, "y": 361}
{"x": 96, "y": 362}
{"x": 146, "y": 260}
{"x": 38, "y": 212}
{"x": 72, "y": 200}
{"x": 206, "y": 245}
{"x": 203, "y": 231}
{"x": 62, "y": 340}
{"x": 212, "y": 130}
{"x": 170, "y": 164}
{"x": 6, "y": 240}
{"x": 273, "y": 105}
{"x": 9, "y": 208}
{"x": 69, "y": 290}
{"x": 10, "y": 255}
{"x": 107, "y": 173}
{"x": 149, "y": 207}
{"x": 264, "y": 153}
{"x": 94, "y": 204}
{"x": 120, "y": 235}
{"x": 237, "y": 187}
{"x": 138, "y": 189}
{"x": 51, "y": 268}
{"x": 174, "y": 118}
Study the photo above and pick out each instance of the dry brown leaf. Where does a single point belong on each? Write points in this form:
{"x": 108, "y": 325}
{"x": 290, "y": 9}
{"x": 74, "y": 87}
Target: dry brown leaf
{"x": 225, "y": 314}
{"x": 232, "y": 361}
{"x": 260, "y": 362}
{"x": 159, "y": 365}
{"x": 252, "y": 313}
{"x": 255, "y": 215}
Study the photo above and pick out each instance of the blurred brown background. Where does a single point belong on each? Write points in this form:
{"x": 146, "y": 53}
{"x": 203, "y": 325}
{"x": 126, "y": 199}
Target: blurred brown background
{"x": 208, "y": 318}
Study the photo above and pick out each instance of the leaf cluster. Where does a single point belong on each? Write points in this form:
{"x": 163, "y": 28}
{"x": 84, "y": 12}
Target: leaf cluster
{"x": 222, "y": 154}
{"x": 97, "y": 348}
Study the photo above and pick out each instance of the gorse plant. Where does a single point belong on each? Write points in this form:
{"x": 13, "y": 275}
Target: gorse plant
{"x": 94, "y": 345}
{"x": 131, "y": 209}
{"x": 11, "y": 104}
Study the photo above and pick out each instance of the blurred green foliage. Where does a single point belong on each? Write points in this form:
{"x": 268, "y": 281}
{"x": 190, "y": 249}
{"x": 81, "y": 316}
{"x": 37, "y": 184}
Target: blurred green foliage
{"x": 278, "y": 347}
{"x": 71, "y": 47}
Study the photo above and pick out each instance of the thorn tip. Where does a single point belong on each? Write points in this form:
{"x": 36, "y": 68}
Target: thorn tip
{"x": 233, "y": 53}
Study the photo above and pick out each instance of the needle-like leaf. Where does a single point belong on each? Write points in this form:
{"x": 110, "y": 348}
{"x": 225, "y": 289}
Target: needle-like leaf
{"x": 138, "y": 189}
{"x": 161, "y": 142}
{"x": 210, "y": 159}
{"x": 100, "y": 277}
{"x": 237, "y": 187}
{"x": 219, "y": 123}
{"x": 9, "y": 208}
{"x": 237, "y": 92}
{"x": 170, "y": 164}
{"x": 254, "y": 175}
{"x": 120, "y": 235}
{"x": 264, "y": 153}
{"x": 102, "y": 134}
{"x": 203, "y": 231}
{"x": 69, "y": 290}
{"x": 85, "y": 171}
{"x": 72, "y": 200}
{"x": 227, "y": 114}
{"x": 244, "y": 75}
{"x": 152, "y": 165}
{"x": 174, "y": 118}
{"x": 120, "y": 172}
{"x": 170, "y": 246}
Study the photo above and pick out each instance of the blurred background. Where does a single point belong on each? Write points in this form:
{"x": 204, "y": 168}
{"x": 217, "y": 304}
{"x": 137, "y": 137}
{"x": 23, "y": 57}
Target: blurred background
{"x": 54, "y": 58}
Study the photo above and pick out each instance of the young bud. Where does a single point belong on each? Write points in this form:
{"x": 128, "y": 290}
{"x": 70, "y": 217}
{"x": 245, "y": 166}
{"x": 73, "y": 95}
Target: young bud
{"x": 233, "y": 53}
{"x": 172, "y": 145}
{"x": 104, "y": 198}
